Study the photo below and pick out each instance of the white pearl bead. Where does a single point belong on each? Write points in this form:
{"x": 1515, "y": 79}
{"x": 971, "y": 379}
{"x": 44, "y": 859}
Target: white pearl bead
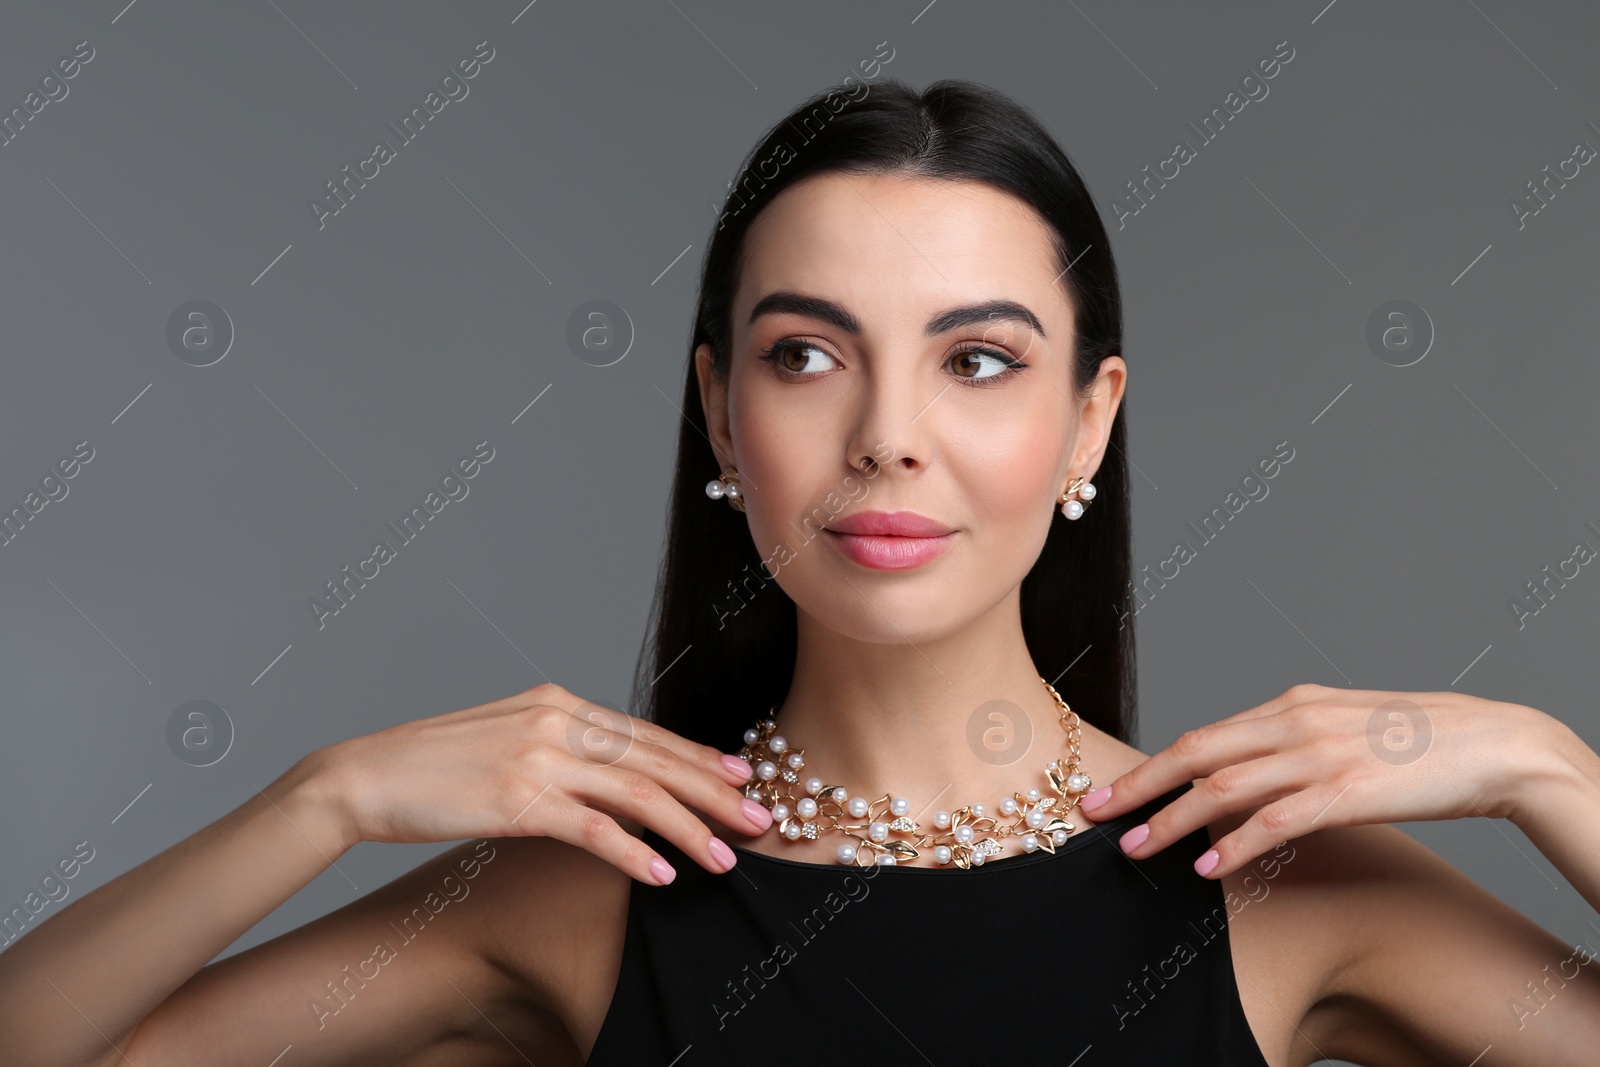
{"x": 941, "y": 854}
{"x": 886, "y": 860}
{"x": 1008, "y": 806}
{"x": 714, "y": 489}
{"x": 1035, "y": 819}
{"x": 813, "y": 786}
{"x": 899, "y": 805}
{"x": 846, "y": 853}
{"x": 840, "y": 794}
{"x": 1087, "y": 490}
{"x": 964, "y": 834}
{"x": 1072, "y": 509}
{"x": 780, "y": 812}
{"x": 792, "y": 831}
{"x": 977, "y": 811}
{"x": 1055, "y": 765}
{"x": 766, "y": 770}
{"x": 878, "y": 831}
{"x": 751, "y": 737}
{"x": 795, "y": 760}
{"x": 1059, "y": 837}
{"x": 1033, "y": 796}
{"x": 1077, "y": 783}
{"x": 978, "y": 859}
{"x": 806, "y": 807}
{"x": 859, "y": 807}
{"x": 1030, "y": 842}
{"x": 941, "y": 820}
{"x": 778, "y": 746}
{"x": 731, "y": 491}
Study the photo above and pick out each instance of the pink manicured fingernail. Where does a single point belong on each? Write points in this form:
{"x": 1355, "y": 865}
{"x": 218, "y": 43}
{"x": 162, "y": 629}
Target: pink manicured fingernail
{"x": 1093, "y": 800}
{"x": 722, "y": 854}
{"x": 662, "y": 870}
{"x": 1135, "y": 837}
{"x": 757, "y": 813}
{"x": 737, "y": 765}
{"x": 1207, "y": 862}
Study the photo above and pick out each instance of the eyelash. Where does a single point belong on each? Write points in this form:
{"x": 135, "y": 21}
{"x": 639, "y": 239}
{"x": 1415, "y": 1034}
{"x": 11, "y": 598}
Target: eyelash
{"x": 1013, "y": 365}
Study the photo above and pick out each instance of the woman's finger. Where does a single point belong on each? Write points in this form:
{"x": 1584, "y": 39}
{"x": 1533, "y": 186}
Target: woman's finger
{"x": 697, "y": 787}
{"x": 597, "y": 832}
{"x": 1237, "y": 787}
{"x": 1313, "y": 808}
{"x": 640, "y": 797}
{"x": 1195, "y": 754}
{"x": 605, "y": 735}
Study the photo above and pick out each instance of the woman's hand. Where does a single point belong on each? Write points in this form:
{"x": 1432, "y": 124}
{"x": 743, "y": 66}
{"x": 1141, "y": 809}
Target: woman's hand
{"x": 544, "y": 762}
{"x": 1317, "y": 756}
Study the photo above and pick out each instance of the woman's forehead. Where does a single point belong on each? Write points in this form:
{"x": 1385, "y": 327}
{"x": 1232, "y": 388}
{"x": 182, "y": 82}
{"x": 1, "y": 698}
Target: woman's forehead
{"x": 895, "y": 250}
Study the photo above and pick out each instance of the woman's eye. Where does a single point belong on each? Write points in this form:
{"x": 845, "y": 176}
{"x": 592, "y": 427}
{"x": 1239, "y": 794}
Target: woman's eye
{"x": 795, "y": 357}
{"x": 979, "y": 366}
{"x": 981, "y": 363}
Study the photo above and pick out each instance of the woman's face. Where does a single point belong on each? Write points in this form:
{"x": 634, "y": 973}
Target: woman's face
{"x": 910, "y": 351}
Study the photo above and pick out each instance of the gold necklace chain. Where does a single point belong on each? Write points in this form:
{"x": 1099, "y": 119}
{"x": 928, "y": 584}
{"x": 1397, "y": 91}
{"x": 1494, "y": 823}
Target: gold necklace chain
{"x": 965, "y": 837}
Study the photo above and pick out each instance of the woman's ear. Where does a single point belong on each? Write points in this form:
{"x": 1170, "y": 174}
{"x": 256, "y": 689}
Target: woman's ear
{"x": 714, "y": 402}
{"x": 1098, "y": 412}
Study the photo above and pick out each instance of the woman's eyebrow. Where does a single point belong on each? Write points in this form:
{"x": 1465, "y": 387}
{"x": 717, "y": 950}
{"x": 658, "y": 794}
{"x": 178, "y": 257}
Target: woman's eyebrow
{"x": 816, "y": 307}
{"x": 988, "y": 311}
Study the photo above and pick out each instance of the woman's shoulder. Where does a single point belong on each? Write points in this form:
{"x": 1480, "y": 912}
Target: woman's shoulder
{"x": 1320, "y": 926}
{"x": 555, "y": 919}
{"x": 1309, "y": 916}
{"x": 1287, "y": 933}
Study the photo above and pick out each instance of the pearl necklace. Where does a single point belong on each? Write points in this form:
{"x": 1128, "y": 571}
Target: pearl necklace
{"x": 967, "y": 836}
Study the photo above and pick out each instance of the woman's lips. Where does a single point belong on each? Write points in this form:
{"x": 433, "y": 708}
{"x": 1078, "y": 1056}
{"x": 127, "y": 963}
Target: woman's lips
{"x": 883, "y": 552}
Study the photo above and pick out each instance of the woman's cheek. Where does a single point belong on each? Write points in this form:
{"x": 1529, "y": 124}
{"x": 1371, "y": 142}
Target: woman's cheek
{"x": 777, "y": 511}
{"x": 1010, "y": 479}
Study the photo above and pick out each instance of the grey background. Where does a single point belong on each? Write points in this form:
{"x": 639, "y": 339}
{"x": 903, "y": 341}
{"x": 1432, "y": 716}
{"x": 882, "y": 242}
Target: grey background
{"x": 588, "y": 158}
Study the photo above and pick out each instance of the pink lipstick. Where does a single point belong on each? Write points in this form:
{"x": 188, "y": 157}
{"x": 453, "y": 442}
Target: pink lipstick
{"x": 890, "y": 540}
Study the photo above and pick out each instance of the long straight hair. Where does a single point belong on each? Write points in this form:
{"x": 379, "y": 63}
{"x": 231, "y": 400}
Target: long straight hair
{"x": 720, "y": 649}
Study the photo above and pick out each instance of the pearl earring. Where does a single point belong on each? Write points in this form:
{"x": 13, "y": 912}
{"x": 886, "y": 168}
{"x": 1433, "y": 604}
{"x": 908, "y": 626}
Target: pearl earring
{"x": 726, "y": 487}
{"x": 1072, "y": 509}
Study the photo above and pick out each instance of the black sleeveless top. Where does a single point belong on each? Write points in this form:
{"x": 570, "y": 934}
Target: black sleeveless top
{"x": 783, "y": 962}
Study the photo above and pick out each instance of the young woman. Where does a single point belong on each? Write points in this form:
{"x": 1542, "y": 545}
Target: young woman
{"x": 907, "y": 388}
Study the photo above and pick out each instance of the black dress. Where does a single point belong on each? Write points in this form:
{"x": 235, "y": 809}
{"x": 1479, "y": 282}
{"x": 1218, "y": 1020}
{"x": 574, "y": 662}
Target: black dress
{"x": 783, "y": 962}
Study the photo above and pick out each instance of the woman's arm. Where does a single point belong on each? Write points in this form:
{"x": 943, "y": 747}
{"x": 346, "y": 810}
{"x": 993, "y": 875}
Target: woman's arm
{"x": 1417, "y": 963}
{"x": 1375, "y": 950}
{"x": 65, "y": 989}
{"x": 75, "y": 989}
{"x": 1559, "y": 810}
{"x": 412, "y": 971}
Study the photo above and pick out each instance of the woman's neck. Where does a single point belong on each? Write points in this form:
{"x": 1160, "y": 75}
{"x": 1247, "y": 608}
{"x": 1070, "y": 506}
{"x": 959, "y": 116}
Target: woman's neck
{"x": 961, "y": 720}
